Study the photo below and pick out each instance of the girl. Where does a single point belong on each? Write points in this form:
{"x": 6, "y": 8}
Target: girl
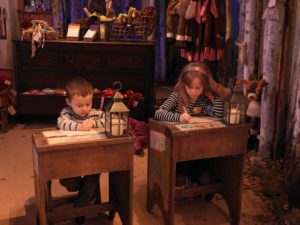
{"x": 196, "y": 94}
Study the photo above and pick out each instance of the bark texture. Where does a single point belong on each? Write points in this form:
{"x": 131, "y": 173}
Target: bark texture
{"x": 293, "y": 119}
{"x": 249, "y": 38}
{"x": 240, "y": 65}
{"x": 272, "y": 45}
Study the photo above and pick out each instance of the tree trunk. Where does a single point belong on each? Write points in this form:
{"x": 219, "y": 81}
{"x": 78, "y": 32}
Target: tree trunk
{"x": 249, "y": 38}
{"x": 283, "y": 90}
{"x": 293, "y": 122}
{"x": 240, "y": 65}
{"x": 271, "y": 60}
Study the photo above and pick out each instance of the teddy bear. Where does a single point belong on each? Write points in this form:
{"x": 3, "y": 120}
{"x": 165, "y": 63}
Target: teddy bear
{"x": 7, "y": 93}
{"x": 254, "y": 90}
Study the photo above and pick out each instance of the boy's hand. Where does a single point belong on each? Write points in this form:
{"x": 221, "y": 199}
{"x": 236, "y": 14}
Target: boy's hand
{"x": 185, "y": 118}
{"x": 86, "y": 125}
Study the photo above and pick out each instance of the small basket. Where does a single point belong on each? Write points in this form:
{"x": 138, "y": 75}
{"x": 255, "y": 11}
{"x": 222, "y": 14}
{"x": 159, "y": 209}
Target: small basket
{"x": 26, "y": 17}
{"x": 138, "y": 30}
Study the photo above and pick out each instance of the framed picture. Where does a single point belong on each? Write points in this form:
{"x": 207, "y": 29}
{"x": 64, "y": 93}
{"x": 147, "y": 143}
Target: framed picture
{"x": 73, "y": 32}
{"x": 90, "y": 35}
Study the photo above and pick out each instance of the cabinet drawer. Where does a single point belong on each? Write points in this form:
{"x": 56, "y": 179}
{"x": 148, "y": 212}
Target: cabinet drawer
{"x": 126, "y": 61}
{"x": 35, "y": 79}
{"x": 83, "y": 62}
{"x": 44, "y": 59}
{"x": 46, "y": 105}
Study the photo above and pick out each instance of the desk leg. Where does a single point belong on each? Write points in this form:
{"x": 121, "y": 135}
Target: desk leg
{"x": 161, "y": 183}
{"x": 36, "y": 190}
{"x": 232, "y": 172}
{"x": 169, "y": 215}
{"x": 120, "y": 191}
{"x": 40, "y": 200}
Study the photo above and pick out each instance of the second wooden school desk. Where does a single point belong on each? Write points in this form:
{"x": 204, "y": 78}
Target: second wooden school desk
{"x": 226, "y": 146}
{"x": 62, "y": 157}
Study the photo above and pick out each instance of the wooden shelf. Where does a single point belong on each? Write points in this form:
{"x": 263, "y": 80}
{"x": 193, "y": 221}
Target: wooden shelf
{"x": 101, "y": 63}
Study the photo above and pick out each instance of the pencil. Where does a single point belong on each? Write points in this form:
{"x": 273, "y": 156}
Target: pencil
{"x": 184, "y": 109}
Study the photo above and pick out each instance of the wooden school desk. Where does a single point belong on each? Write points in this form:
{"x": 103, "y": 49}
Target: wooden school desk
{"x": 225, "y": 147}
{"x": 90, "y": 155}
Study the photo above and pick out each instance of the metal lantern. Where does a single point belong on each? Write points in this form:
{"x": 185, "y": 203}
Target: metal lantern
{"x": 235, "y": 107}
{"x": 116, "y": 115}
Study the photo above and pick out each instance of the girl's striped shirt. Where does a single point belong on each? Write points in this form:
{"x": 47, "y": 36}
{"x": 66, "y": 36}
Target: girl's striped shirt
{"x": 171, "y": 109}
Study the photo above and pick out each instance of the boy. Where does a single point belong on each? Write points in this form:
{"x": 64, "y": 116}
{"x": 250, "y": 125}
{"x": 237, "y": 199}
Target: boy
{"x": 79, "y": 115}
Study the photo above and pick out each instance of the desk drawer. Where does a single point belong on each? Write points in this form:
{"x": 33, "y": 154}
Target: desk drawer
{"x": 211, "y": 144}
{"x": 70, "y": 160}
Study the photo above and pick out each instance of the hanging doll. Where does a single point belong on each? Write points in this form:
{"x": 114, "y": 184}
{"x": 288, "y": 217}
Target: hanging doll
{"x": 254, "y": 90}
{"x": 183, "y": 35}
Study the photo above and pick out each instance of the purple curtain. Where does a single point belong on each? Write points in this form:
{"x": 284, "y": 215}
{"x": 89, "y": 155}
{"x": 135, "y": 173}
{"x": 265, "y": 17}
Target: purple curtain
{"x": 121, "y": 6}
{"x": 76, "y": 9}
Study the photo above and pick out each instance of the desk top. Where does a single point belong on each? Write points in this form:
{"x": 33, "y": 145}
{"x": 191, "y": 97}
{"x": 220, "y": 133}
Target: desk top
{"x": 177, "y": 129}
{"x": 43, "y": 140}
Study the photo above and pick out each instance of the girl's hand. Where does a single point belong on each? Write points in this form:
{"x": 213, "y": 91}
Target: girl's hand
{"x": 185, "y": 118}
{"x": 210, "y": 96}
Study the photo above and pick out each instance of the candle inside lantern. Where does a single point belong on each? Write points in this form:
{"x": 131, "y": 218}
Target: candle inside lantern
{"x": 102, "y": 31}
{"x": 117, "y": 127}
{"x": 234, "y": 116}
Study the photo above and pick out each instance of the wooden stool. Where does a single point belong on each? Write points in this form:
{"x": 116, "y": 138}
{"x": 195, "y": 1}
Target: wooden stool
{"x": 3, "y": 118}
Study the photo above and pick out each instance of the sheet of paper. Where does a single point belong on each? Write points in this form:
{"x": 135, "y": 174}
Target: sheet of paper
{"x": 67, "y": 133}
{"x": 68, "y": 139}
{"x": 199, "y": 126}
{"x": 157, "y": 141}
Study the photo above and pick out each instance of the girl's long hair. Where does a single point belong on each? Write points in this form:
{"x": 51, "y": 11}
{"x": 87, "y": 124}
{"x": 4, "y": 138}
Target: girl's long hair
{"x": 188, "y": 74}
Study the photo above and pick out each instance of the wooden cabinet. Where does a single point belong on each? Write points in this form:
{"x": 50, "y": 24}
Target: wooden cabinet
{"x": 101, "y": 63}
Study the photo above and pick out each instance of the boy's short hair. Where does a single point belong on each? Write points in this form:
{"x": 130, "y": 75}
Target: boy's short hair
{"x": 78, "y": 86}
